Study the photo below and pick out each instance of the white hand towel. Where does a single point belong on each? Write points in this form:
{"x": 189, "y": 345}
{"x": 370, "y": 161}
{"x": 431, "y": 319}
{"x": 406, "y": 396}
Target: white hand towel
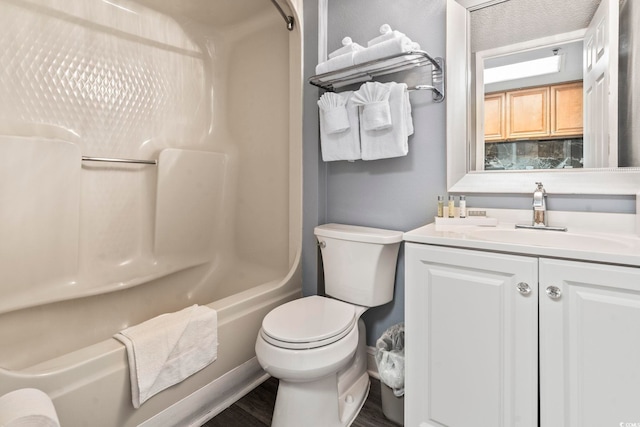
{"x": 27, "y": 407}
{"x": 373, "y": 98}
{"x": 386, "y": 33}
{"x": 408, "y": 116}
{"x": 341, "y": 145}
{"x": 387, "y": 48}
{"x": 336, "y": 63}
{"x": 392, "y": 141}
{"x": 165, "y": 350}
{"x": 348, "y": 46}
{"x": 335, "y": 117}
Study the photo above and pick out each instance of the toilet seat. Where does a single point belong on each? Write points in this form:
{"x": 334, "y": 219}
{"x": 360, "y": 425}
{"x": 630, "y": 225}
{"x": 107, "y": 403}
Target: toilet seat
{"x": 309, "y": 322}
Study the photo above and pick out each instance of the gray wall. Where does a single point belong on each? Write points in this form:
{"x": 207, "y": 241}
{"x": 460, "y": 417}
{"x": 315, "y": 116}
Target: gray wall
{"x": 313, "y": 173}
{"x": 396, "y": 193}
{"x": 399, "y": 193}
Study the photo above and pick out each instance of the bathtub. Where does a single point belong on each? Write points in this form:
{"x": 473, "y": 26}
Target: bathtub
{"x": 210, "y": 100}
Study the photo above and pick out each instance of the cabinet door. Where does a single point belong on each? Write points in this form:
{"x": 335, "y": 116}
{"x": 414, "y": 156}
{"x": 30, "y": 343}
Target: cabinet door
{"x": 528, "y": 113}
{"x": 471, "y": 338}
{"x": 495, "y": 128}
{"x": 566, "y": 109}
{"x": 589, "y": 345}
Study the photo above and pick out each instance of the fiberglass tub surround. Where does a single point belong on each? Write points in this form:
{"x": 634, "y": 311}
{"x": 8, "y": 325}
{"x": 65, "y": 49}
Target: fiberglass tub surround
{"x": 89, "y": 248}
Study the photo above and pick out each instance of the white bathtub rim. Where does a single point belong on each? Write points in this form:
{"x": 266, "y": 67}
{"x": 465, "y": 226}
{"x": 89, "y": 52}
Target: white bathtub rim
{"x": 113, "y": 349}
{"x": 106, "y": 360}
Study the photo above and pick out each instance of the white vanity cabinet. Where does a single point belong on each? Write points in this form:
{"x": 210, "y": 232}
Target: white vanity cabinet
{"x": 589, "y": 344}
{"x": 471, "y": 327}
{"x": 475, "y": 334}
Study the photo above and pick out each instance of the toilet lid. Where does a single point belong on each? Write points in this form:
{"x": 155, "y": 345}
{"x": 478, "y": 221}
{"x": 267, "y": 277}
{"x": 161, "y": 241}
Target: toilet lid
{"x": 308, "y": 322}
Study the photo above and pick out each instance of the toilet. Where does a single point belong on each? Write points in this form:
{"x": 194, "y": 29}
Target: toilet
{"x": 316, "y": 345}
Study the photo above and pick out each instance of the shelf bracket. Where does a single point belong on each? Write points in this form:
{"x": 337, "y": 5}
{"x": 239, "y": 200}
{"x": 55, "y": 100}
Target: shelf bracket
{"x": 437, "y": 80}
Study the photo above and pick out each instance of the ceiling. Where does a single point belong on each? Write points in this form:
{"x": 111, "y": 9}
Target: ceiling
{"x": 516, "y": 21}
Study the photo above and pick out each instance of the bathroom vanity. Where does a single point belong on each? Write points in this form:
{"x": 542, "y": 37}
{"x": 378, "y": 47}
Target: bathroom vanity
{"x": 509, "y": 327}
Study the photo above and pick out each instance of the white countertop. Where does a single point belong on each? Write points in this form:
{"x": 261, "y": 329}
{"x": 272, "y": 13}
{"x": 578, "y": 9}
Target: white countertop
{"x": 597, "y": 237}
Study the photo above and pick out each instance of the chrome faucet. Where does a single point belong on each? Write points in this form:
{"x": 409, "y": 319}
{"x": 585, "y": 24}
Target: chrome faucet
{"x": 540, "y": 211}
{"x": 539, "y": 206}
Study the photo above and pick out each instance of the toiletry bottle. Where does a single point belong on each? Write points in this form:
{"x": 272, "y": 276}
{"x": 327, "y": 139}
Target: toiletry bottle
{"x": 452, "y": 207}
{"x": 440, "y": 207}
{"x": 463, "y": 207}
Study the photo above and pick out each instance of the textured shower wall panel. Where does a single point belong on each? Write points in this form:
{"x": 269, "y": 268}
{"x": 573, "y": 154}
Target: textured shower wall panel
{"x": 116, "y": 79}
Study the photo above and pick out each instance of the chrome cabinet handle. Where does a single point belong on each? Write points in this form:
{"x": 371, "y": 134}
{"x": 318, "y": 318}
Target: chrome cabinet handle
{"x": 553, "y": 292}
{"x": 523, "y": 288}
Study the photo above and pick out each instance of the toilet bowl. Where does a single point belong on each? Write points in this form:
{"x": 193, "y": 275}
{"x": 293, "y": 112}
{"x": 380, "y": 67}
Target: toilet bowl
{"x": 316, "y": 345}
{"x": 323, "y": 381}
{"x": 320, "y": 341}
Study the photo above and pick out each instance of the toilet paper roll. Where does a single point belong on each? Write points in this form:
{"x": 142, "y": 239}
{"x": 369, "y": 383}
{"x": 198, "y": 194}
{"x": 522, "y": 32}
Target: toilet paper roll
{"x": 27, "y": 407}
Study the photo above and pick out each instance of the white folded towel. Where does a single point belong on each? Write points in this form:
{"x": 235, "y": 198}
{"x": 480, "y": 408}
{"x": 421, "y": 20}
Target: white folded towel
{"x": 347, "y": 81}
{"x": 336, "y": 63}
{"x": 165, "y": 350}
{"x": 385, "y": 34}
{"x": 27, "y": 407}
{"x": 386, "y": 48}
{"x": 392, "y": 141}
{"x": 335, "y": 117}
{"x": 408, "y": 116}
{"x": 348, "y": 46}
{"x": 343, "y": 145}
{"x": 373, "y": 98}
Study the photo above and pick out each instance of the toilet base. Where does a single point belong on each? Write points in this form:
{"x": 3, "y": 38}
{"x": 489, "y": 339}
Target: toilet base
{"x": 316, "y": 404}
{"x": 332, "y": 401}
{"x": 353, "y": 400}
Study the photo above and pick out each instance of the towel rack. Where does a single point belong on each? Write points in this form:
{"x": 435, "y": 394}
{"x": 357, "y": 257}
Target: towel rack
{"x": 113, "y": 160}
{"x": 389, "y": 64}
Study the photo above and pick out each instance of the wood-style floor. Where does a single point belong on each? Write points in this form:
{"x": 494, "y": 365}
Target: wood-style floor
{"x": 255, "y": 409}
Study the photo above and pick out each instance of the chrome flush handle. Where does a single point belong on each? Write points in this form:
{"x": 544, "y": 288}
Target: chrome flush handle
{"x": 322, "y": 244}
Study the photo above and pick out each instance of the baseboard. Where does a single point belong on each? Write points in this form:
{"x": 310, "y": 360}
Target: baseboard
{"x": 372, "y": 367}
{"x": 207, "y": 402}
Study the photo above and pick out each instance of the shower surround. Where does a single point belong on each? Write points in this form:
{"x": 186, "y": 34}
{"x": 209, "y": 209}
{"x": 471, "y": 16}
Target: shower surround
{"x": 211, "y": 91}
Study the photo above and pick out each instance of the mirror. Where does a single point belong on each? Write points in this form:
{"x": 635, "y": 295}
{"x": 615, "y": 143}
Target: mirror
{"x": 481, "y": 161}
{"x": 529, "y": 106}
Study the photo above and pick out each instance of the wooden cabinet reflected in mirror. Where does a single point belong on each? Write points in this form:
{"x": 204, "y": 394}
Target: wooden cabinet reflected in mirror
{"x": 534, "y": 128}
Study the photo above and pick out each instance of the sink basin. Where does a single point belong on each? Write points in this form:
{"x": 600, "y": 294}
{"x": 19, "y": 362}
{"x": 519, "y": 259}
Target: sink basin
{"x": 554, "y": 239}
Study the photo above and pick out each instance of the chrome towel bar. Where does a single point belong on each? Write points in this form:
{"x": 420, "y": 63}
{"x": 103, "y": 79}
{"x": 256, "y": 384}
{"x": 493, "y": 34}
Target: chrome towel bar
{"x": 112, "y": 160}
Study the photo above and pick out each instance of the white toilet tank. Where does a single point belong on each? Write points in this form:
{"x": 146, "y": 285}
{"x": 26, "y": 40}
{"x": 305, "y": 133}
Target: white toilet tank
{"x": 359, "y": 262}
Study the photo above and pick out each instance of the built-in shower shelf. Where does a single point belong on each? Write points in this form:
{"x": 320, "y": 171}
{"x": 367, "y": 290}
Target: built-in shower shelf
{"x": 390, "y": 64}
